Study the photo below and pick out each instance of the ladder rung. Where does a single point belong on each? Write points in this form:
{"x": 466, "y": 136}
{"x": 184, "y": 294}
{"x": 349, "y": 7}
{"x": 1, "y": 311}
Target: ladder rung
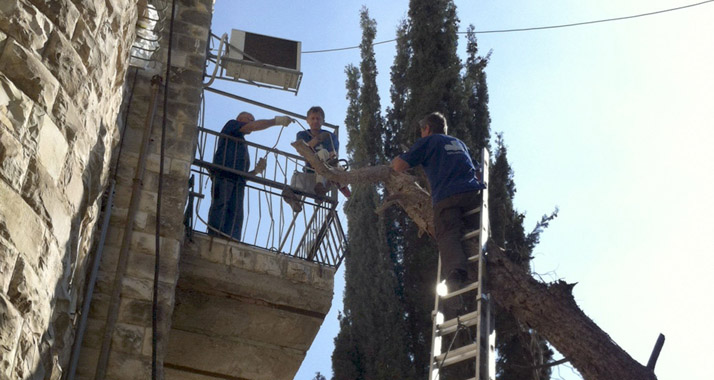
{"x": 470, "y": 235}
{"x": 471, "y": 212}
{"x": 455, "y": 356}
{"x": 450, "y": 326}
{"x": 467, "y": 288}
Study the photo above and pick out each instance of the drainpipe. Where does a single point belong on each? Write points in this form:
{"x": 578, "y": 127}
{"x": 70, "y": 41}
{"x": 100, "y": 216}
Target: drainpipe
{"x": 82, "y": 326}
{"x": 113, "y": 313}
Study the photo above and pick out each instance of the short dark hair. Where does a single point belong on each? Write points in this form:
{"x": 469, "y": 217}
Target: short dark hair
{"x": 317, "y": 109}
{"x": 436, "y": 121}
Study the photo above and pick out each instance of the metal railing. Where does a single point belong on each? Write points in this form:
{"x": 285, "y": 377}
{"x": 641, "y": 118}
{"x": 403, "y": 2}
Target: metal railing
{"x": 313, "y": 233}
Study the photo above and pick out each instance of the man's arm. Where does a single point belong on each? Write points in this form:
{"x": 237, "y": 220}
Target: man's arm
{"x": 399, "y": 165}
{"x": 259, "y": 125}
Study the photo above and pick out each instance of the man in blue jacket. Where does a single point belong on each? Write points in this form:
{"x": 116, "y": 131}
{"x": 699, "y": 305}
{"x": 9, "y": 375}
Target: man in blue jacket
{"x": 454, "y": 190}
{"x": 226, "y": 212}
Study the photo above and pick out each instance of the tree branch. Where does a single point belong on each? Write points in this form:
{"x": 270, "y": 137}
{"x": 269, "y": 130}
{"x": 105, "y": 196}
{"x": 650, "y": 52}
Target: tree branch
{"x": 550, "y": 309}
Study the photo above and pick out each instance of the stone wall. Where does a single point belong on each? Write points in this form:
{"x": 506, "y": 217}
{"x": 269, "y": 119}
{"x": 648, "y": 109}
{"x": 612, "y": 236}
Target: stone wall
{"x": 62, "y": 67}
{"x": 130, "y": 346}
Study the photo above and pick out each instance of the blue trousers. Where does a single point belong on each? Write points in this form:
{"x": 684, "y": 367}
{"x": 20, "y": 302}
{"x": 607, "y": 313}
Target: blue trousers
{"x": 226, "y": 212}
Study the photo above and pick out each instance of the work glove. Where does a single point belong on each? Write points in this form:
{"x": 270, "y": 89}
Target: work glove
{"x": 283, "y": 120}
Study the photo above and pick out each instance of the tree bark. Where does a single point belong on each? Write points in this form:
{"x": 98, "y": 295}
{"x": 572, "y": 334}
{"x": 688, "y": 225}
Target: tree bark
{"x": 549, "y": 309}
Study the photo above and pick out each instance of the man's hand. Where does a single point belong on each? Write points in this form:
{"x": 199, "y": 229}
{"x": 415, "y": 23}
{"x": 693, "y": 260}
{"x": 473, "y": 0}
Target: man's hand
{"x": 283, "y": 120}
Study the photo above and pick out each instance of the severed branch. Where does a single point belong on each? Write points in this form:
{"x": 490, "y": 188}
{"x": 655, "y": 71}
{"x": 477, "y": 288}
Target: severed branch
{"x": 550, "y": 309}
{"x": 402, "y": 187}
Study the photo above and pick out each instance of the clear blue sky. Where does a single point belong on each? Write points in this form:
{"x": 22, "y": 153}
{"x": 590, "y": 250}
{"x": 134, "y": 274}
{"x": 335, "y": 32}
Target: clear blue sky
{"x": 611, "y": 122}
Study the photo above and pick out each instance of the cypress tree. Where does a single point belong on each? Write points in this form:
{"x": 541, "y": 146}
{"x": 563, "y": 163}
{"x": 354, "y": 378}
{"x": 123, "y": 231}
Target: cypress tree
{"x": 394, "y": 274}
{"x": 371, "y": 341}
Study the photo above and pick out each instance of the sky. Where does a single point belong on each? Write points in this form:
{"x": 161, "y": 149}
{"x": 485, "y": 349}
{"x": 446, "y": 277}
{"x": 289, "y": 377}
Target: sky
{"x": 610, "y": 122}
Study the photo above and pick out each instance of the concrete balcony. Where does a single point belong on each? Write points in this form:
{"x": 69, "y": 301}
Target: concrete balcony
{"x": 244, "y": 312}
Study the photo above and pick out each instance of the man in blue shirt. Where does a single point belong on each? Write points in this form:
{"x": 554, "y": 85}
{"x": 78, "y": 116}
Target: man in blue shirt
{"x": 325, "y": 144}
{"x": 454, "y": 190}
{"x": 228, "y": 191}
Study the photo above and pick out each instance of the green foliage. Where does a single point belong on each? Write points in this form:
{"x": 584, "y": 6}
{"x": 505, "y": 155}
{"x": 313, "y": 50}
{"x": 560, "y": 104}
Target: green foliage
{"x": 385, "y": 330}
{"x": 371, "y": 341}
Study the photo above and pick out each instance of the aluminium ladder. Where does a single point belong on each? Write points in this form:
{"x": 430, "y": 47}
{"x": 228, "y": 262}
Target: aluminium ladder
{"x": 481, "y": 350}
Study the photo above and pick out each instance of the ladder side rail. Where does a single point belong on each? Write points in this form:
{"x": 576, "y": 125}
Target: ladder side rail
{"x": 483, "y": 239}
{"x": 435, "y": 348}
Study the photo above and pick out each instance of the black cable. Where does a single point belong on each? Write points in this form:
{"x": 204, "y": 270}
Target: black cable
{"x": 533, "y": 28}
{"x": 157, "y": 262}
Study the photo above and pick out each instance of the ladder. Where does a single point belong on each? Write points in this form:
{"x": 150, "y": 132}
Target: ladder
{"x": 455, "y": 336}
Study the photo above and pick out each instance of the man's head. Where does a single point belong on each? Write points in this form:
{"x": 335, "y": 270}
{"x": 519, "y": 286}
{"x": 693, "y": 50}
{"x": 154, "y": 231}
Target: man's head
{"x": 315, "y": 117}
{"x": 245, "y": 117}
{"x": 433, "y": 123}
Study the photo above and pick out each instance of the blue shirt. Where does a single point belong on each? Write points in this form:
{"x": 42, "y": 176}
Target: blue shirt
{"x": 230, "y": 153}
{"x": 447, "y": 164}
{"x": 332, "y": 144}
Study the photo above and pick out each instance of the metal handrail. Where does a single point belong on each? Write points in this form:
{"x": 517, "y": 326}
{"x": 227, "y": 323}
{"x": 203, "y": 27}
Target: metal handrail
{"x": 314, "y": 233}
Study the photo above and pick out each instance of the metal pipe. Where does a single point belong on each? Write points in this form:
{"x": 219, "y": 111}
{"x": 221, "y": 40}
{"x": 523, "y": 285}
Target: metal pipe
{"x": 266, "y": 106}
{"x": 113, "y": 313}
{"x": 82, "y": 326}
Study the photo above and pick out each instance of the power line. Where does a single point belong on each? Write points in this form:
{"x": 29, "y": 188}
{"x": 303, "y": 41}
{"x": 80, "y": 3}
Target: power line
{"x": 534, "y": 28}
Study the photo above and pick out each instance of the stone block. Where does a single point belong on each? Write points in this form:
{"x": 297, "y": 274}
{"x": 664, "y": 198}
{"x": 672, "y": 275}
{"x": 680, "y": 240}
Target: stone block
{"x": 29, "y": 295}
{"x": 25, "y": 23}
{"x": 51, "y": 145}
{"x": 142, "y": 266}
{"x": 196, "y": 16}
{"x": 65, "y": 63}
{"x": 29, "y": 74}
{"x": 93, "y": 334}
{"x": 192, "y": 30}
{"x": 180, "y": 167}
{"x": 27, "y": 357}
{"x": 87, "y": 364}
{"x": 121, "y": 364}
{"x": 75, "y": 132}
{"x": 298, "y": 272}
{"x": 10, "y": 329}
{"x": 128, "y": 338}
{"x": 42, "y": 194}
{"x": 15, "y": 107}
{"x": 13, "y": 159}
{"x": 241, "y": 258}
{"x": 120, "y": 214}
{"x": 269, "y": 265}
{"x": 8, "y": 256}
{"x": 74, "y": 190}
{"x": 136, "y": 312}
{"x": 142, "y": 289}
{"x": 99, "y": 306}
{"x": 19, "y": 223}
{"x": 64, "y": 14}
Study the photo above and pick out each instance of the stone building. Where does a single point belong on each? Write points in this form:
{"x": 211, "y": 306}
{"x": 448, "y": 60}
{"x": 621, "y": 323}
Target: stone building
{"x": 83, "y": 130}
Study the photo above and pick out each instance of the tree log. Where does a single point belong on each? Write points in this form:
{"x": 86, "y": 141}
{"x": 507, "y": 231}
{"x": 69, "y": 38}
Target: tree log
{"x": 550, "y": 309}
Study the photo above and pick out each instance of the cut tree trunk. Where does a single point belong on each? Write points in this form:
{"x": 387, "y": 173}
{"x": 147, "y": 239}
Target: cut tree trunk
{"x": 550, "y": 309}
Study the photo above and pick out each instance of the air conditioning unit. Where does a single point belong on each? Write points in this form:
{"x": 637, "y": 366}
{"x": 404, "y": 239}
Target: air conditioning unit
{"x": 263, "y": 60}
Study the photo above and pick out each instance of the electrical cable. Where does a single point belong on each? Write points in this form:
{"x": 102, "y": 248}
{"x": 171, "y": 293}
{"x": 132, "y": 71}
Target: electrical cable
{"x": 162, "y": 154}
{"x": 534, "y": 28}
